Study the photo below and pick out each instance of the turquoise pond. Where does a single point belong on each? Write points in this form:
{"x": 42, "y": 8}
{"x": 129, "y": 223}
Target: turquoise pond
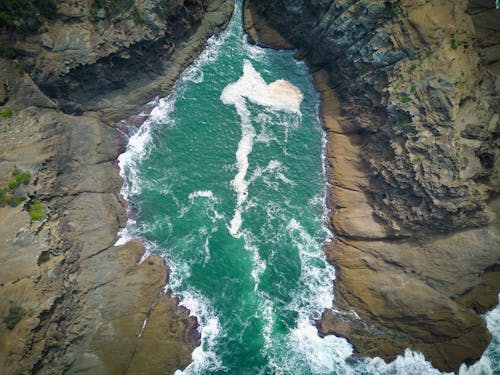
{"x": 227, "y": 179}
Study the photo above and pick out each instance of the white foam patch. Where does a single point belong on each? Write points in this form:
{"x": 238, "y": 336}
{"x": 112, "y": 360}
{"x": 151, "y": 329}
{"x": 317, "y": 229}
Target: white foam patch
{"x": 211, "y": 211}
{"x": 207, "y": 251}
{"x": 138, "y": 148}
{"x": 202, "y": 193}
{"x": 280, "y": 95}
{"x": 266, "y": 310}
{"x": 307, "y": 351}
{"x": 266, "y": 137}
{"x": 316, "y": 276}
{"x": 254, "y": 51}
{"x": 411, "y": 363}
{"x": 267, "y": 316}
{"x": 274, "y": 169}
{"x": 482, "y": 367}
{"x": 277, "y": 168}
{"x": 125, "y": 234}
{"x": 204, "y": 357}
{"x": 194, "y": 75}
{"x": 258, "y": 265}
{"x": 321, "y": 355}
{"x": 489, "y": 363}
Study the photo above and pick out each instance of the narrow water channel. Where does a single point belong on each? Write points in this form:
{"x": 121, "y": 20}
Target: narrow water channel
{"x": 227, "y": 178}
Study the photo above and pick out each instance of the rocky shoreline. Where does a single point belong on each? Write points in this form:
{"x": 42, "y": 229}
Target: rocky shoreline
{"x": 410, "y": 104}
{"x": 82, "y": 302}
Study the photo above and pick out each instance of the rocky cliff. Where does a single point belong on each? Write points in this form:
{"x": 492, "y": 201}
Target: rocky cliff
{"x": 410, "y": 104}
{"x": 71, "y": 301}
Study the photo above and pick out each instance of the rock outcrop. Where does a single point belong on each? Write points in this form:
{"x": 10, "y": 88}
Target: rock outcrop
{"x": 83, "y": 305}
{"x": 410, "y": 103}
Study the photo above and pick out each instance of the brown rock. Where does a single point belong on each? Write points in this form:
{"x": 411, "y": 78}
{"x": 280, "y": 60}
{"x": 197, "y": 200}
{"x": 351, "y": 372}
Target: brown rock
{"x": 118, "y": 301}
{"x": 260, "y": 32}
{"x": 166, "y": 334}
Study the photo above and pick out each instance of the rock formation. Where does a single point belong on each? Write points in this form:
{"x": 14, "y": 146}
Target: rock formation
{"x": 76, "y": 302}
{"x": 410, "y": 103}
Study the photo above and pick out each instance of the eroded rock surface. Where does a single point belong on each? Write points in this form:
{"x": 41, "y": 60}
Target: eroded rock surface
{"x": 84, "y": 300}
{"x": 410, "y": 103}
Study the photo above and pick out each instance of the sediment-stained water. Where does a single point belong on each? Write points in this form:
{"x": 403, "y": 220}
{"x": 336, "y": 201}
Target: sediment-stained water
{"x": 228, "y": 183}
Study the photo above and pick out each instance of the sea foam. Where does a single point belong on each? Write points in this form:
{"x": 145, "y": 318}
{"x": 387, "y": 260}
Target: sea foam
{"x": 279, "y": 95}
{"x": 204, "y": 357}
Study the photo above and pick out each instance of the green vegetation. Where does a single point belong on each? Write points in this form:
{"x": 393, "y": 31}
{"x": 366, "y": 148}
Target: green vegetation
{"x": 413, "y": 88}
{"x": 394, "y": 11}
{"x": 25, "y": 16}
{"x": 417, "y": 158}
{"x": 15, "y": 315}
{"x": 4, "y": 50}
{"x": 36, "y": 211}
{"x": 457, "y": 154}
{"x": 412, "y": 67}
{"x": 19, "y": 178}
{"x": 136, "y": 15}
{"x": 6, "y": 113}
{"x": 9, "y": 195}
{"x": 363, "y": 69}
{"x": 403, "y": 120}
{"x": 400, "y": 124}
{"x": 453, "y": 44}
{"x": 405, "y": 98}
{"x": 164, "y": 5}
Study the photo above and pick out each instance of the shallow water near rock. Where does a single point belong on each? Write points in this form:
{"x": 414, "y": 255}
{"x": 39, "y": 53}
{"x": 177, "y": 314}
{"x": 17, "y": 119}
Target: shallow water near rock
{"x": 228, "y": 183}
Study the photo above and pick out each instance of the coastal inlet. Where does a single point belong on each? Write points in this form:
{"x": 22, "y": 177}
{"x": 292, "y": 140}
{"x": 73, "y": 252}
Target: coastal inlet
{"x": 227, "y": 175}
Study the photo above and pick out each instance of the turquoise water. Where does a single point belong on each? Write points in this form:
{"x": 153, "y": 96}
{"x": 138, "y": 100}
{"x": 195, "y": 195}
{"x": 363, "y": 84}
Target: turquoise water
{"x": 227, "y": 180}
